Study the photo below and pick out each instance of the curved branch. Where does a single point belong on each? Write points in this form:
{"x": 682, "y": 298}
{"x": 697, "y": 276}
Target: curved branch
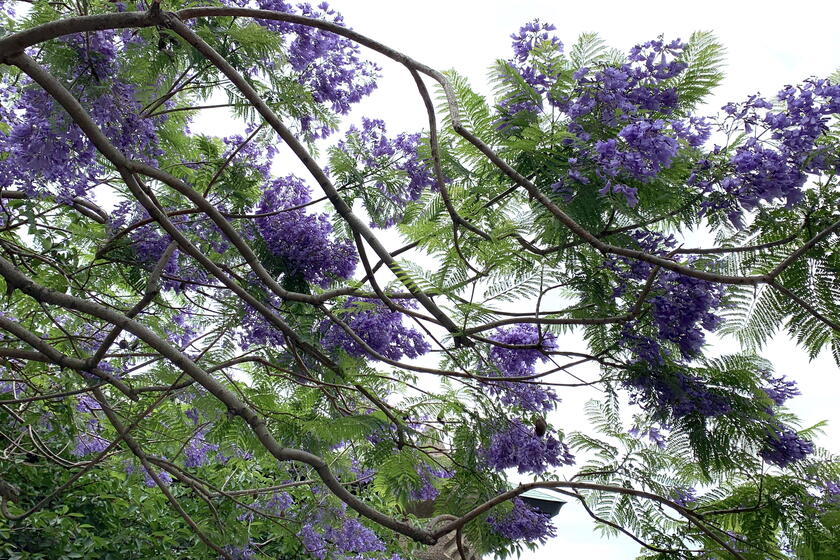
{"x": 693, "y": 518}
{"x": 311, "y": 165}
{"x": 61, "y": 359}
{"x": 235, "y": 406}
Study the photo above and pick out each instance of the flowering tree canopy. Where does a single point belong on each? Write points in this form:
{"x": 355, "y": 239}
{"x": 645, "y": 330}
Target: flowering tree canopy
{"x": 204, "y": 356}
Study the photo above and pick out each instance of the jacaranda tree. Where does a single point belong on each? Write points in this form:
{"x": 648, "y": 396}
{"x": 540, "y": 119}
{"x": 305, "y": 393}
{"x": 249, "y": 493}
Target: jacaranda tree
{"x": 204, "y": 356}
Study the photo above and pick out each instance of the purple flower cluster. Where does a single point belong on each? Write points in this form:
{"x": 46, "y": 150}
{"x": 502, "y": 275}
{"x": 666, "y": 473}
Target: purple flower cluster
{"x": 256, "y": 330}
{"x": 780, "y": 389}
{"x": 149, "y": 482}
{"x": 149, "y": 242}
{"x": 15, "y": 387}
{"x": 620, "y": 94}
{"x": 682, "y": 307}
{"x": 197, "y": 451}
{"x": 515, "y": 105}
{"x": 523, "y": 522}
{"x": 519, "y": 446}
{"x": 831, "y": 488}
{"x": 301, "y": 240}
{"x": 43, "y": 148}
{"x": 531, "y": 37}
{"x": 427, "y": 489}
{"x": 7, "y": 8}
{"x": 254, "y": 155}
{"x": 646, "y": 149}
{"x": 685, "y": 496}
{"x": 327, "y": 64}
{"x": 685, "y": 309}
{"x": 276, "y": 505}
{"x": 239, "y": 552}
{"x": 89, "y": 441}
{"x": 676, "y": 392}
{"x": 323, "y": 540}
{"x": 86, "y": 403}
{"x": 379, "y": 327}
{"x": 46, "y": 153}
{"x": 784, "y": 446}
{"x": 521, "y": 362}
{"x": 393, "y": 165}
{"x": 626, "y": 107}
{"x": 653, "y": 434}
{"x": 183, "y": 329}
{"x": 774, "y": 162}
{"x": 530, "y": 44}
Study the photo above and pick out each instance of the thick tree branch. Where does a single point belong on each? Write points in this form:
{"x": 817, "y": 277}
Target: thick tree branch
{"x": 235, "y": 406}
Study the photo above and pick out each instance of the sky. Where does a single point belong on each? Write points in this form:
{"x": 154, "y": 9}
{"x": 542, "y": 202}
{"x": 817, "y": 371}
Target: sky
{"x": 769, "y": 45}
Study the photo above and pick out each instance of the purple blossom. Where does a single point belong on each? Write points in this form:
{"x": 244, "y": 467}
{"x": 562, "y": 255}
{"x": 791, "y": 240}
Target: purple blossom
{"x": 615, "y": 94}
{"x": 653, "y": 434}
{"x": 163, "y": 476}
{"x": 675, "y": 392}
{"x": 192, "y": 414}
{"x": 784, "y": 446}
{"x": 523, "y": 522}
{"x": 149, "y": 242}
{"x": 328, "y": 65}
{"x": 780, "y": 389}
{"x": 256, "y": 329}
{"x": 276, "y": 505}
{"x": 46, "y": 152}
{"x": 685, "y": 496}
{"x": 427, "y": 489}
{"x": 532, "y": 37}
{"x": 254, "y": 155}
{"x": 831, "y": 488}
{"x": 360, "y": 472}
{"x": 513, "y": 106}
{"x": 694, "y": 130}
{"x": 650, "y": 149}
{"x": 197, "y": 451}
{"x": 323, "y": 539}
{"x": 684, "y": 309}
{"x": 313, "y": 541}
{"x": 379, "y": 327}
{"x": 302, "y": 241}
{"x": 17, "y": 388}
{"x": 519, "y": 446}
{"x": 86, "y": 403}
{"x": 393, "y": 165}
{"x": 515, "y": 362}
{"x": 781, "y": 151}
{"x": 89, "y": 441}
{"x": 632, "y": 100}
{"x": 642, "y": 149}
{"x": 630, "y": 194}
{"x": 7, "y": 8}
{"x": 352, "y": 536}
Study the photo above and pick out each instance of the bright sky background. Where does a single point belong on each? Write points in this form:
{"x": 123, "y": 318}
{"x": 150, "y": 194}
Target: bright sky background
{"x": 769, "y": 44}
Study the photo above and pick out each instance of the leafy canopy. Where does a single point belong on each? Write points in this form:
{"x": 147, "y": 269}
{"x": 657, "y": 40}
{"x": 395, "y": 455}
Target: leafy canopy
{"x": 203, "y": 357}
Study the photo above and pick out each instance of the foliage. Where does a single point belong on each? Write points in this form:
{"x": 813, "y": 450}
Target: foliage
{"x": 204, "y": 358}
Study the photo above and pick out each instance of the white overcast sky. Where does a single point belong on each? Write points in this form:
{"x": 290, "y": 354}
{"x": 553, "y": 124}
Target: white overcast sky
{"x": 769, "y": 44}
